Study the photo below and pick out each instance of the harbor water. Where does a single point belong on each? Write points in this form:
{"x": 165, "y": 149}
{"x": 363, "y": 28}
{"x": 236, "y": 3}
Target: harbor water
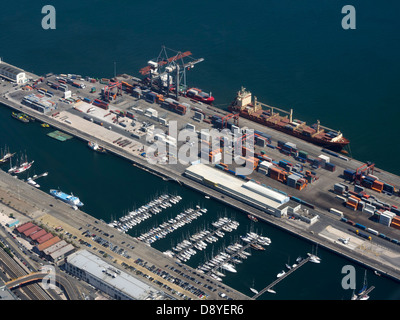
{"x": 289, "y": 55}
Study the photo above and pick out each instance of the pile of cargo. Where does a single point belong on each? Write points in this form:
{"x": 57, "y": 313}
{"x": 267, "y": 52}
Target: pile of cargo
{"x": 175, "y": 106}
{"x": 100, "y": 104}
{"x": 215, "y": 155}
{"x": 359, "y": 200}
{"x": 370, "y": 182}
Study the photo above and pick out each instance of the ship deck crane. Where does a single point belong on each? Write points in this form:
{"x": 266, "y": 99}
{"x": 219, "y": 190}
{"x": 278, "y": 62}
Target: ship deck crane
{"x": 365, "y": 169}
{"x": 169, "y": 71}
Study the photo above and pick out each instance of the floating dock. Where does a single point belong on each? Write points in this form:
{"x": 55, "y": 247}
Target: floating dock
{"x": 60, "y": 136}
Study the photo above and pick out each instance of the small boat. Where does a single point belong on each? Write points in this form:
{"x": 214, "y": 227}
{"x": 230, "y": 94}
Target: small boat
{"x": 252, "y": 218}
{"x": 364, "y": 287}
{"x": 271, "y": 291}
{"x": 315, "y": 259}
{"x": 6, "y": 156}
{"x": 253, "y": 290}
{"x": 45, "y": 125}
{"x": 280, "y": 274}
{"x": 32, "y": 182}
{"x": 207, "y": 197}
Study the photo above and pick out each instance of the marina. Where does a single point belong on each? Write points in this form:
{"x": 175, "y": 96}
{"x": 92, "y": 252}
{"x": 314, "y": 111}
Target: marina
{"x": 146, "y": 211}
{"x": 170, "y": 225}
{"x": 199, "y": 241}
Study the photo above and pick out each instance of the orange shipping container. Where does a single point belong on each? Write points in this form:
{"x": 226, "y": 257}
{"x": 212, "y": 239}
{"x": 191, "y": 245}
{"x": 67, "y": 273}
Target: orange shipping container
{"x": 395, "y": 225}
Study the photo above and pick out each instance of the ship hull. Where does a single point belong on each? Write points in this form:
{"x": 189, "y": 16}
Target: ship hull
{"x": 334, "y": 146}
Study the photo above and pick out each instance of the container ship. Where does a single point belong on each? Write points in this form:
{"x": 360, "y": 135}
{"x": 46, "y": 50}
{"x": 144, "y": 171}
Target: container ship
{"x": 199, "y": 95}
{"x": 244, "y": 105}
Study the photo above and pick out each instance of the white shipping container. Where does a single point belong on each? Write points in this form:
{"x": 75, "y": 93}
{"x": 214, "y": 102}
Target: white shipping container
{"x": 336, "y": 212}
{"x": 372, "y": 231}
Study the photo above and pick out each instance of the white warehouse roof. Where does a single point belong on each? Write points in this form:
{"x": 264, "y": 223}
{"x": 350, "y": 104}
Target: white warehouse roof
{"x": 266, "y": 192}
{"x": 248, "y": 191}
{"x": 115, "y": 278}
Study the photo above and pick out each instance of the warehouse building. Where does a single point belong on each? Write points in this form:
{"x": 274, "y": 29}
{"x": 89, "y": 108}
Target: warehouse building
{"x": 12, "y": 73}
{"x": 254, "y": 194}
{"x": 39, "y": 103}
{"x": 116, "y": 283}
{"x": 257, "y": 195}
{"x": 58, "y": 251}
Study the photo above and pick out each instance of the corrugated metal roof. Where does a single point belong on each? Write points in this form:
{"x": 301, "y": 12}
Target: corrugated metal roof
{"x": 62, "y": 251}
{"x": 25, "y": 226}
{"x": 31, "y": 230}
{"x": 115, "y": 278}
{"x": 9, "y": 69}
{"x": 38, "y": 234}
{"x": 44, "y": 238}
{"x": 48, "y": 243}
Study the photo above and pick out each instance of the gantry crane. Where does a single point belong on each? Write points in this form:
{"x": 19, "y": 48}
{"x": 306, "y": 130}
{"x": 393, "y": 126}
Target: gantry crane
{"x": 168, "y": 73}
{"x": 107, "y": 91}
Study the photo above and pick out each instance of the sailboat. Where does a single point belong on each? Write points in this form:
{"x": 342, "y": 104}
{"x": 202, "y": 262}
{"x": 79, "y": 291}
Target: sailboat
{"x": 364, "y": 287}
{"x": 253, "y": 290}
{"x": 5, "y": 156}
{"x": 12, "y": 169}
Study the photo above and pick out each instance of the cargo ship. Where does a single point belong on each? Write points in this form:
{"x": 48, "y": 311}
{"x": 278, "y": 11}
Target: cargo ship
{"x": 244, "y": 105}
{"x": 199, "y": 95}
{"x": 69, "y": 199}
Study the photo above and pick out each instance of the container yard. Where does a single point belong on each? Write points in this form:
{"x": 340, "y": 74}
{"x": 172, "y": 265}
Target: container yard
{"x": 312, "y": 190}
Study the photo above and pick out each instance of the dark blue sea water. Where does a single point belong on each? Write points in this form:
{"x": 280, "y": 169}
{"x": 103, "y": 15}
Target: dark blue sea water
{"x": 290, "y": 54}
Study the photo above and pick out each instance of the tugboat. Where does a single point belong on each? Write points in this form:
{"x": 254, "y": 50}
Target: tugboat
{"x": 94, "y": 146}
{"x": 252, "y": 218}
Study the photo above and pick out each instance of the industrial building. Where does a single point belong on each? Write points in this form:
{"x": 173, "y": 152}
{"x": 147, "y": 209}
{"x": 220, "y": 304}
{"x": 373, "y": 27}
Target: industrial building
{"x": 12, "y": 73}
{"x": 257, "y": 195}
{"x": 254, "y": 194}
{"x": 114, "y": 282}
{"x": 39, "y": 103}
